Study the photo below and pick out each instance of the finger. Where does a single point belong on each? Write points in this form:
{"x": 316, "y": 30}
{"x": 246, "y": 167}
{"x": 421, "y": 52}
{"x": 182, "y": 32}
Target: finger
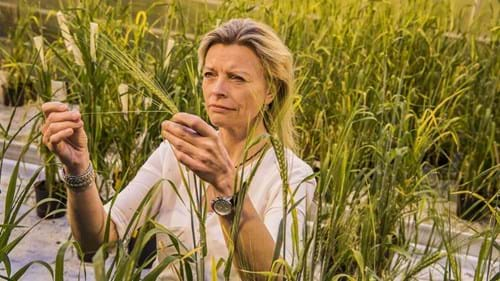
{"x": 54, "y": 106}
{"x": 63, "y": 116}
{"x": 54, "y": 128}
{"x": 183, "y": 145}
{"x": 165, "y": 124}
{"x": 60, "y": 116}
{"x": 59, "y": 136}
{"x": 180, "y": 131}
{"x": 196, "y": 123}
{"x": 49, "y": 129}
{"x": 188, "y": 161}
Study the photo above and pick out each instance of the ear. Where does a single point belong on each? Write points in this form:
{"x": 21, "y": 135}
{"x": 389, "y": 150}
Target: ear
{"x": 269, "y": 97}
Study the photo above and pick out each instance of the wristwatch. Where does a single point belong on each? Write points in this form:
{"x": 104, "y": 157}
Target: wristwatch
{"x": 224, "y": 205}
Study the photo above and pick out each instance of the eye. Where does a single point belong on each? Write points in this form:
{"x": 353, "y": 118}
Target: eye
{"x": 208, "y": 74}
{"x": 236, "y": 78}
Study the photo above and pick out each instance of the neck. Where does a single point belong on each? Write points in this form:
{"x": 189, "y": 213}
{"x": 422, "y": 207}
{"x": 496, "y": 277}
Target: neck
{"x": 234, "y": 140}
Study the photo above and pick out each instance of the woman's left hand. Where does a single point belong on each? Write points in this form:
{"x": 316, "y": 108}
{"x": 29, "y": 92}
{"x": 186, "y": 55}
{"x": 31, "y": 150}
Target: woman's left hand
{"x": 197, "y": 145}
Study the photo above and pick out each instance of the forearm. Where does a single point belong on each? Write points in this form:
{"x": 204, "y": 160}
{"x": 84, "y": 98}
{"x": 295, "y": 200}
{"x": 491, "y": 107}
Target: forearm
{"x": 87, "y": 218}
{"x": 64, "y": 135}
{"x": 254, "y": 246}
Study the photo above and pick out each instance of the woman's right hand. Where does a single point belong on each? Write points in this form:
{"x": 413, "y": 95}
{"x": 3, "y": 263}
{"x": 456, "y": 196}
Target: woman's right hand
{"x": 64, "y": 135}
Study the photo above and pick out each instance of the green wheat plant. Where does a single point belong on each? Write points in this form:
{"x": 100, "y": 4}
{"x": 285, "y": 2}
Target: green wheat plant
{"x": 13, "y": 229}
{"x": 396, "y": 104}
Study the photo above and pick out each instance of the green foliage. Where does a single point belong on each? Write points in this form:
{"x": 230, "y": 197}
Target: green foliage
{"x": 395, "y": 100}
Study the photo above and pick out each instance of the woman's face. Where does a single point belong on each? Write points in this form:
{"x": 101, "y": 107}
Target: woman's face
{"x": 234, "y": 86}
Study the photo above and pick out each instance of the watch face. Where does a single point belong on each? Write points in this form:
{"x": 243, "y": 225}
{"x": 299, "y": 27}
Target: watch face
{"x": 222, "y": 207}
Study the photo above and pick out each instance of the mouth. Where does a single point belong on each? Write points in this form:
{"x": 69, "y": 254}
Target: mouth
{"x": 216, "y": 108}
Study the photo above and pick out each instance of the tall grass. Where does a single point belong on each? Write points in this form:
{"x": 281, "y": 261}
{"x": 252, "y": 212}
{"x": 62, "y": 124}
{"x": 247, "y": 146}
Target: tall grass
{"x": 396, "y": 116}
{"x": 12, "y": 228}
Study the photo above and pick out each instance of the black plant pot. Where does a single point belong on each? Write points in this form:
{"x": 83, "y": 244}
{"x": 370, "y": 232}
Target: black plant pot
{"x": 42, "y": 192}
{"x": 15, "y": 96}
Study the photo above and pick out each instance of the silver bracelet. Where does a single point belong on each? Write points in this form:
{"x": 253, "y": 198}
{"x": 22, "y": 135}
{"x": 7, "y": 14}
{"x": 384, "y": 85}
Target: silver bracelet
{"x": 79, "y": 183}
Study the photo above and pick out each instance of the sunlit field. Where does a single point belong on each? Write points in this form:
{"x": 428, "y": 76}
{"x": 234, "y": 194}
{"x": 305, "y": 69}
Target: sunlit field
{"x": 397, "y": 113}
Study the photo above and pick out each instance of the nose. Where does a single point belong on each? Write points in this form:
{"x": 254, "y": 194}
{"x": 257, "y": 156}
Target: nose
{"x": 220, "y": 87}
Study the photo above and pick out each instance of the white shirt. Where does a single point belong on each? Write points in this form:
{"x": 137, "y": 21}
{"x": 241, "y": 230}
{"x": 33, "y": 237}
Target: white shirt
{"x": 171, "y": 207}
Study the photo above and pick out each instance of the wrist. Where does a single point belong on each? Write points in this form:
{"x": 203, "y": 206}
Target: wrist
{"x": 225, "y": 186}
{"x": 77, "y": 169}
{"x": 79, "y": 183}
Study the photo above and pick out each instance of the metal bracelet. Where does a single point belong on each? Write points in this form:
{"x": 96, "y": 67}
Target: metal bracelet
{"x": 79, "y": 183}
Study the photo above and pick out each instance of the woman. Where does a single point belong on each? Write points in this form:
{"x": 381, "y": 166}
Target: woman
{"x": 247, "y": 87}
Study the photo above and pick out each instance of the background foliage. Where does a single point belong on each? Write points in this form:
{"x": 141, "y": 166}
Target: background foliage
{"x": 396, "y": 113}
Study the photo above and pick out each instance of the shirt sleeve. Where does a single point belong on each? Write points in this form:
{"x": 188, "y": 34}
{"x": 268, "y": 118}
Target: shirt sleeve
{"x": 126, "y": 205}
{"x": 300, "y": 197}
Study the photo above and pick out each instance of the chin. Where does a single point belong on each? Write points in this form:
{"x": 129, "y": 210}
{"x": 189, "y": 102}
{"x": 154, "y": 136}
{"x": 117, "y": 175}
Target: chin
{"x": 219, "y": 122}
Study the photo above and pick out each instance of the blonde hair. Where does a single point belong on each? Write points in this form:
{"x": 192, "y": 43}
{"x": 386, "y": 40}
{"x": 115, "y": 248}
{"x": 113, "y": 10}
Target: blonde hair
{"x": 277, "y": 62}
